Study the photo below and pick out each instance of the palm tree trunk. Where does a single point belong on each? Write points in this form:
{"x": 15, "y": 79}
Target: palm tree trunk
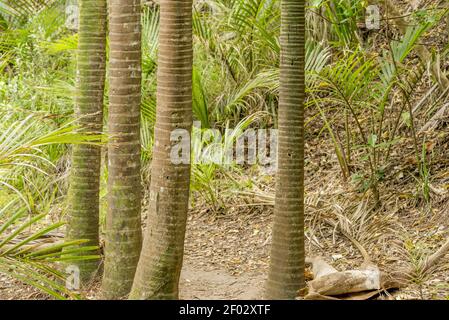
{"x": 286, "y": 274}
{"x": 83, "y": 196}
{"x": 160, "y": 263}
{"x": 123, "y": 225}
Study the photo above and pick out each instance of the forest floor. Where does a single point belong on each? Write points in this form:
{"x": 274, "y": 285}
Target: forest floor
{"x": 226, "y": 257}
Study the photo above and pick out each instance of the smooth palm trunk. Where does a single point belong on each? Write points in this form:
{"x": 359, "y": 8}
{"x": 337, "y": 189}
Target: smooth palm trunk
{"x": 123, "y": 227}
{"x": 83, "y": 196}
{"x": 286, "y": 273}
{"x": 160, "y": 263}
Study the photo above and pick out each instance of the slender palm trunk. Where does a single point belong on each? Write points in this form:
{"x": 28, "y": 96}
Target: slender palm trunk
{"x": 83, "y": 196}
{"x": 123, "y": 228}
{"x": 286, "y": 274}
{"x": 160, "y": 263}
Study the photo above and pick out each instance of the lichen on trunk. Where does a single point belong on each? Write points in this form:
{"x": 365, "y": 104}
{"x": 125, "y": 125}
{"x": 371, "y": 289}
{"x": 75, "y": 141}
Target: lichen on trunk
{"x": 160, "y": 263}
{"x": 83, "y": 195}
{"x": 123, "y": 227}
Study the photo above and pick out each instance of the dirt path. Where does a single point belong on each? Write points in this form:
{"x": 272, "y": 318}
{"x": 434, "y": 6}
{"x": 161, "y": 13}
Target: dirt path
{"x": 226, "y": 257}
{"x": 198, "y": 284}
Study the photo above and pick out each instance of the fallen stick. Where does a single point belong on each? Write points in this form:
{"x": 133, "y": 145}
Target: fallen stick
{"x": 433, "y": 259}
{"x": 433, "y": 122}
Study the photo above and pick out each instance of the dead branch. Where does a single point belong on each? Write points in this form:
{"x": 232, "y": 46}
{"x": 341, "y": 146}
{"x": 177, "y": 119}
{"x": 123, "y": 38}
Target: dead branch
{"x": 356, "y": 243}
{"x": 436, "y": 257}
{"x": 433, "y": 122}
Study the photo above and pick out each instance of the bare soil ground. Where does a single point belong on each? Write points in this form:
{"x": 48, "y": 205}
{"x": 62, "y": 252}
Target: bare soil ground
{"x": 226, "y": 256}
